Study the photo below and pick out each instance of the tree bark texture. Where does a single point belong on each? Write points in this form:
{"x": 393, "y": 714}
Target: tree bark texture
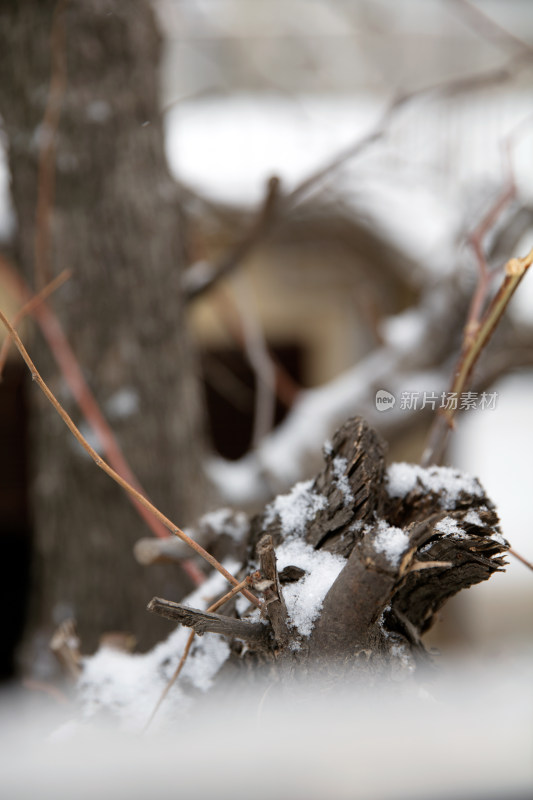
{"x": 115, "y": 221}
{"x": 405, "y": 551}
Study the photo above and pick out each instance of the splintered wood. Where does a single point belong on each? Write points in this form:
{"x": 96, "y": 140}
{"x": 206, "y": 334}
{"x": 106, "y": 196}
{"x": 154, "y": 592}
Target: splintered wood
{"x": 398, "y": 542}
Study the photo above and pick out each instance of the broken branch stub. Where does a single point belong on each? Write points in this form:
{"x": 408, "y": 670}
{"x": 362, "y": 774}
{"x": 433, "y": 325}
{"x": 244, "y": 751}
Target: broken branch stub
{"x": 358, "y": 561}
{"x": 408, "y": 538}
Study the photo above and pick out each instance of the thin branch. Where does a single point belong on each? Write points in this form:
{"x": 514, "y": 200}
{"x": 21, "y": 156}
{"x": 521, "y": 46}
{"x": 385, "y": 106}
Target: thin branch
{"x": 172, "y": 680}
{"x": 47, "y": 151}
{"x": 29, "y": 307}
{"x": 71, "y": 371}
{"x": 104, "y": 466}
{"x": 275, "y": 603}
{"x": 218, "y": 604}
{"x": 202, "y": 277}
{"x": 520, "y": 558}
{"x": 258, "y": 356}
{"x": 486, "y": 275}
{"x": 286, "y": 388}
{"x": 207, "y": 622}
{"x": 515, "y": 269}
{"x": 457, "y": 86}
{"x": 487, "y": 27}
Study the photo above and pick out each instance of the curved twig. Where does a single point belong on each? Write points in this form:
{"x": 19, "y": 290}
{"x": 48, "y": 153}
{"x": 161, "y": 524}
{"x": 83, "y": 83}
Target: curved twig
{"x": 104, "y": 466}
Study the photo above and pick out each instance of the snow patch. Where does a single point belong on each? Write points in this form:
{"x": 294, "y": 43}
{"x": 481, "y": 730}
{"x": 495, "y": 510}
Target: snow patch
{"x": 340, "y": 465}
{"x": 474, "y": 519}
{"x": 304, "y": 598}
{"x": 295, "y": 509}
{"x": 450, "y": 527}
{"x": 226, "y": 521}
{"x": 393, "y": 542}
{"x": 449, "y": 483}
{"x": 406, "y": 330}
{"x": 129, "y": 685}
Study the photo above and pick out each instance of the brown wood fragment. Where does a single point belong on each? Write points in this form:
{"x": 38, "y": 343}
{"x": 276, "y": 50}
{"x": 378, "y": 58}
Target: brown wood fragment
{"x": 352, "y": 481}
{"x": 275, "y": 604}
{"x": 204, "y": 622}
{"x": 291, "y": 574}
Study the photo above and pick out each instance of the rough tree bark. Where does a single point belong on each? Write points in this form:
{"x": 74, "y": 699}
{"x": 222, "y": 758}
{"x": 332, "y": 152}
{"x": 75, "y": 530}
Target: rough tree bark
{"x": 115, "y": 222}
{"x": 409, "y": 539}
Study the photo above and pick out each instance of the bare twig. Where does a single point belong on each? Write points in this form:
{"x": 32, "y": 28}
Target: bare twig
{"x": 218, "y": 604}
{"x": 71, "y": 371}
{"x": 457, "y": 86}
{"x": 275, "y": 604}
{"x": 47, "y": 151}
{"x": 486, "y": 275}
{"x": 29, "y": 307}
{"x": 515, "y": 269}
{"x": 104, "y": 466}
{"x": 487, "y": 27}
{"x": 198, "y": 279}
{"x": 276, "y": 208}
{"x": 287, "y": 389}
{"x": 207, "y": 622}
{"x": 520, "y": 558}
{"x": 258, "y": 356}
{"x": 172, "y": 680}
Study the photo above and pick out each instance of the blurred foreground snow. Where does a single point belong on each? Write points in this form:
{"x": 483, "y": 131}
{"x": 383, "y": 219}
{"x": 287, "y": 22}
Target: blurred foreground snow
{"x": 466, "y": 733}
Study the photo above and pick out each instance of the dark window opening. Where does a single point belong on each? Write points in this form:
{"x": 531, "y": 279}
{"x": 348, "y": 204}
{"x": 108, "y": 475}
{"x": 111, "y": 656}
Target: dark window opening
{"x": 230, "y": 393}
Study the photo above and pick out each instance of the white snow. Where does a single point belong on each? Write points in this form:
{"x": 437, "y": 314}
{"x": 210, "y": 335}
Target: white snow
{"x": 402, "y": 478}
{"x": 295, "y": 509}
{"x": 406, "y": 330}
{"x": 391, "y": 541}
{"x": 474, "y": 519}
{"x": 450, "y": 527}
{"x": 129, "y": 685}
{"x": 304, "y": 598}
{"x": 340, "y": 466}
{"x": 259, "y": 137}
{"x": 227, "y": 521}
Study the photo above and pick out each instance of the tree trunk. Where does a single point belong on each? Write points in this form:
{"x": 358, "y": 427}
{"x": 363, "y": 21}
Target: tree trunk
{"x": 115, "y": 222}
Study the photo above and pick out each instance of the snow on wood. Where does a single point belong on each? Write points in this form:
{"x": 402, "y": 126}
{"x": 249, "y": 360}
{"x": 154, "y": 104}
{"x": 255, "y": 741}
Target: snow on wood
{"x": 447, "y": 482}
{"x": 391, "y": 541}
{"x": 295, "y": 509}
{"x": 128, "y": 686}
{"x": 304, "y": 598}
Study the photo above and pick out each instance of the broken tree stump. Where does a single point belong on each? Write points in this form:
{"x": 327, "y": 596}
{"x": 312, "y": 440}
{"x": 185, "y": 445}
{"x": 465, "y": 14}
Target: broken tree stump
{"x": 356, "y": 563}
